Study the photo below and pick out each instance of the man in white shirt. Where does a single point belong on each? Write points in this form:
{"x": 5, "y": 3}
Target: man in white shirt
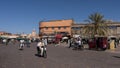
{"x": 4, "y": 40}
{"x": 39, "y": 47}
{"x": 21, "y": 43}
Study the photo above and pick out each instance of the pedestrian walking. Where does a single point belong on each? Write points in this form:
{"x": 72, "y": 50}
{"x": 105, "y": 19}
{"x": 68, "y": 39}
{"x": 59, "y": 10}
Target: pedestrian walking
{"x": 80, "y": 44}
{"x": 22, "y": 43}
{"x": 28, "y": 41}
{"x": 45, "y": 41}
{"x": 5, "y": 41}
{"x": 70, "y": 42}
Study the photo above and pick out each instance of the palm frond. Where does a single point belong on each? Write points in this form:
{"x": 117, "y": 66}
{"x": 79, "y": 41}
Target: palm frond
{"x": 96, "y": 25}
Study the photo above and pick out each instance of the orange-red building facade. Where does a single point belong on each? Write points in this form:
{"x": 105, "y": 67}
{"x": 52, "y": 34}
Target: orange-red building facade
{"x": 55, "y": 26}
{"x": 4, "y": 33}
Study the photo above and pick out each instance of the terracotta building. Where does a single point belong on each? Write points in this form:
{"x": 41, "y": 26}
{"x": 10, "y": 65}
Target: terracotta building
{"x": 4, "y": 33}
{"x": 55, "y": 26}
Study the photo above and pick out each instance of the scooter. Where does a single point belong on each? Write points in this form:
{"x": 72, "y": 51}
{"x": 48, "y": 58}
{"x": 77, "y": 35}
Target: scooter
{"x": 78, "y": 47}
{"x": 44, "y": 53}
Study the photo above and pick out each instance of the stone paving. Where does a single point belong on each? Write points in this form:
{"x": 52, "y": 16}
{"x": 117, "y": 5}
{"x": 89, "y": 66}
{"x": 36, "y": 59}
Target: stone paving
{"x": 58, "y": 57}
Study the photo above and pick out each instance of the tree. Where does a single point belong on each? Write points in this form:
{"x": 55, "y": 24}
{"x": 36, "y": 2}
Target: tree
{"x": 96, "y": 25}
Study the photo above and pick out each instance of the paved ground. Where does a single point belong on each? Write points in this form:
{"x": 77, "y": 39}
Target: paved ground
{"x": 58, "y": 57}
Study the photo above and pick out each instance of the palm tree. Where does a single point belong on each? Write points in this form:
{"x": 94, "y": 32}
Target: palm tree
{"x": 96, "y": 25}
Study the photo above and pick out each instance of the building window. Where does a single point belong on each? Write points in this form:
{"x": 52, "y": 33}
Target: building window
{"x": 112, "y": 27}
{"x": 59, "y": 28}
{"x": 53, "y": 28}
{"x": 73, "y": 28}
{"x": 77, "y": 28}
{"x": 64, "y": 27}
{"x": 46, "y": 28}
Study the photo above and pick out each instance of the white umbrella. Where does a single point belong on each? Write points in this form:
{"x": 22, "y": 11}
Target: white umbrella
{"x": 65, "y": 38}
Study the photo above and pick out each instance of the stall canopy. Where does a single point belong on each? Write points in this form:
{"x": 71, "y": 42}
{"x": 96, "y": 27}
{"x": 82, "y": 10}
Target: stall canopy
{"x": 58, "y": 36}
{"x": 65, "y": 38}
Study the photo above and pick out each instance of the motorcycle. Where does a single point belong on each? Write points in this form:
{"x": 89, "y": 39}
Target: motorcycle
{"x": 44, "y": 53}
{"x": 78, "y": 47}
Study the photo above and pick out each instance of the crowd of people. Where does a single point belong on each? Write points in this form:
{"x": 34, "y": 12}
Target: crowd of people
{"x": 26, "y": 42}
{"x": 76, "y": 43}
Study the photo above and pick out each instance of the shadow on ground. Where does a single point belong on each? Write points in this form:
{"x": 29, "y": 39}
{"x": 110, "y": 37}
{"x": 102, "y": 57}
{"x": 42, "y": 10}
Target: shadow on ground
{"x": 116, "y": 56}
{"x": 37, "y": 55}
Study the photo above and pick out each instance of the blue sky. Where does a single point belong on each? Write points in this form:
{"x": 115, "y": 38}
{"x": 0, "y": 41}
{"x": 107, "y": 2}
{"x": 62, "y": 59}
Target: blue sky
{"x": 18, "y": 16}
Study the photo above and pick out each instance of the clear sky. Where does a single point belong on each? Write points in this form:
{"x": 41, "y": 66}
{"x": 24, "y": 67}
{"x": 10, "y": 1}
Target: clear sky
{"x": 17, "y": 16}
